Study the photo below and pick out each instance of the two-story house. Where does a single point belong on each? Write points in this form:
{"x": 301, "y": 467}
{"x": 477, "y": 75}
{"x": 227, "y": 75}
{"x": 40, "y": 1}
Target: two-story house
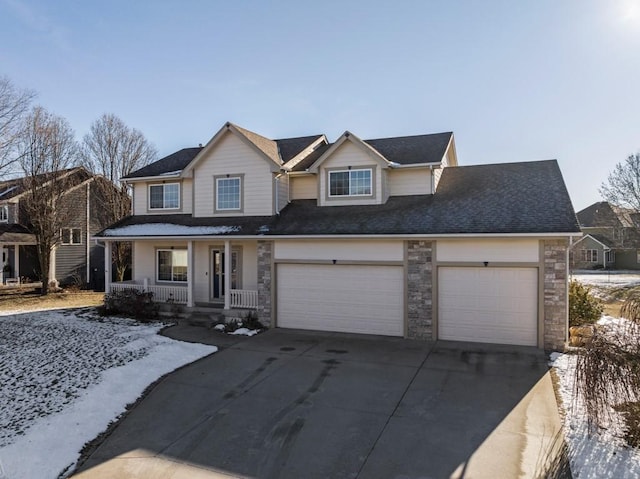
{"x": 611, "y": 238}
{"x": 76, "y": 259}
{"x": 387, "y": 236}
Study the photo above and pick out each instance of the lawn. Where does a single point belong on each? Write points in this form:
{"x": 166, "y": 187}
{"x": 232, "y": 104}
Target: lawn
{"x": 602, "y": 452}
{"x": 66, "y": 374}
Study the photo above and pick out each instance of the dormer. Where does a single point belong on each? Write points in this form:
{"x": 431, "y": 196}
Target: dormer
{"x": 366, "y": 172}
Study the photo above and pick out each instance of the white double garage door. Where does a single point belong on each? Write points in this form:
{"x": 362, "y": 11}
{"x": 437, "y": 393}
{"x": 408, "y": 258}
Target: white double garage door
{"x": 493, "y": 305}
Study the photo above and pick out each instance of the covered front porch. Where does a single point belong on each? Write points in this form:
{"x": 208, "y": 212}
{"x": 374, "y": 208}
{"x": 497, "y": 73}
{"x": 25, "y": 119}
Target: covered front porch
{"x": 193, "y": 272}
{"x": 18, "y": 256}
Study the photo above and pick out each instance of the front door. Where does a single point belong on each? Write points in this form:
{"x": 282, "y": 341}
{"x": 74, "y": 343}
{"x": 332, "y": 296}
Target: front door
{"x": 218, "y": 273}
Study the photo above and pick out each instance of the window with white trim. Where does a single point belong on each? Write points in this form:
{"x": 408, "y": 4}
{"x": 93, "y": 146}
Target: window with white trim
{"x": 4, "y": 214}
{"x": 172, "y": 265}
{"x": 589, "y": 255}
{"x": 228, "y": 193}
{"x": 71, "y": 235}
{"x": 610, "y": 256}
{"x": 164, "y": 197}
{"x": 350, "y": 183}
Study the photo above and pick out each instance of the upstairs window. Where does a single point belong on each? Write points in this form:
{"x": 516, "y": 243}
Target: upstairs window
{"x": 4, "y": 214}
{"x": 71, "y": 236}
{"x": 228, "y": 194}
{"x": 172, "y": 265}
{"x": 350, "y": 183}
{"x": 589, "y": 255}
{"x": 164, "y": 197}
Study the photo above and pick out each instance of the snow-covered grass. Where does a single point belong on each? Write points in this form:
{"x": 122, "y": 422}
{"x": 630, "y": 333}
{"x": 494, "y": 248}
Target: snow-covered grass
{"x": 598, "y": 453}
{"x": 65, "y": 375}
{"x": 607, "y": 279}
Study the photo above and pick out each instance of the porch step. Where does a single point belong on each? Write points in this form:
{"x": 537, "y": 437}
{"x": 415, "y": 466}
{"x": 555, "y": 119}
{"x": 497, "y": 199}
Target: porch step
{"x": 206, "y": 320}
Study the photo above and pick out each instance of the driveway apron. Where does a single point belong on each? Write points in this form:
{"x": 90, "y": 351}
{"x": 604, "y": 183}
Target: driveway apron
{"x": 320, "y": 405}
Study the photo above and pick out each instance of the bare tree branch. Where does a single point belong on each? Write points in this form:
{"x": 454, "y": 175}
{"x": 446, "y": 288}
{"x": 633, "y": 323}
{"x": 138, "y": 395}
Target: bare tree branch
{"x": 48, "y": 151}
{"x": 113, "y": 150}
{"x": 622, "y": 187}
{"x": 14, "y": 105}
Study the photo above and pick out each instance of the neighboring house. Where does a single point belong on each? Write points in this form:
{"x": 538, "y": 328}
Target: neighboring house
{"x": 387, "y": 237}
{"x": 611, "y": 238}
{"x": 76, "y": 259}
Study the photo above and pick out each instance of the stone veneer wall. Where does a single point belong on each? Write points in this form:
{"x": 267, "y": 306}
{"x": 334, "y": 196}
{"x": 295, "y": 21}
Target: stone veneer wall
{"x": 419, "y": 290}
{"x": 556, "y": 294}
{"x": 265, "y": 260}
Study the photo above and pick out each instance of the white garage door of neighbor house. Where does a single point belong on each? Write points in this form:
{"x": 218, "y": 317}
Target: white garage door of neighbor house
{"x": 344, "y": 298}
{"x": 490, "y": 305}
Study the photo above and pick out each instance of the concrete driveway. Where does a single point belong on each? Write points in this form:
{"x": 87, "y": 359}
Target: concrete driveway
{"x": 293, "y": 404}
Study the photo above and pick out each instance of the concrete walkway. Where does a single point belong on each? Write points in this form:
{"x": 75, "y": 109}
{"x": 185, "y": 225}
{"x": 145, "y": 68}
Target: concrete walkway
{"x": 320, "y": 405}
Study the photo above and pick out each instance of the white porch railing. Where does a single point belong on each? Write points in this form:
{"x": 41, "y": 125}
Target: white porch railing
{"x": 240, "y": 298}
{"x": 244, "y": 298}
{"x": 161, "y": 294}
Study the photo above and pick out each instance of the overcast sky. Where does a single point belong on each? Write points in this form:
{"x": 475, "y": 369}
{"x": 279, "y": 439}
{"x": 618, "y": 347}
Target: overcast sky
{"x": 514, "y": 80}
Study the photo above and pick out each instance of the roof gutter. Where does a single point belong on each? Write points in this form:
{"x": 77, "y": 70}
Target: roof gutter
{"x": 150, "y": 178}
{"x": 383, "y": 236}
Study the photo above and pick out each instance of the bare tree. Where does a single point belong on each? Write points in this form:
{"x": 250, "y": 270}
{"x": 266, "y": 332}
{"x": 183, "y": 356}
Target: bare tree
{"x": 14, "y": 105}
{"x": 622, "y": 187}
{"x": 47, "y": 152}
{"x": 113, "y": 150}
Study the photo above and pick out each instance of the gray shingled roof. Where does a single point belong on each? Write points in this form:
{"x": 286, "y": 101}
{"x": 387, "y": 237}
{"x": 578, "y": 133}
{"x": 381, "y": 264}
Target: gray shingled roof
{"x": 174, "y": 162}
{"x": 290, "y": 147}
{"x": 503, "y": 198}
{"x": 409, "y": 150}
{"x": 15, "y": 233}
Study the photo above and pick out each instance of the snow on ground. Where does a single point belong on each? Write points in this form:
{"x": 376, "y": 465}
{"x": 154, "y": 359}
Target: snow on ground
{"x": 65, "y": 375}
{"x": 607, "y": 278}
{"x": 601, "y": 453}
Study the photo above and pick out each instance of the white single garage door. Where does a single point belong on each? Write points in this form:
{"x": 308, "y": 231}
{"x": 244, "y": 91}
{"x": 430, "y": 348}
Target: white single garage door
{"x": 490, "y": 305}
{"x": 344, "y": 298}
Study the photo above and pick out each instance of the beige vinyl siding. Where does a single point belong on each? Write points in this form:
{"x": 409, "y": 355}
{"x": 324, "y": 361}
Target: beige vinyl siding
{"x": 283, "y": 191}
{"x": 498, "y": 250}
{"x": 347, "y": 155}
{"x": 303, "y": 187}
{"x": 232, "y": 156}
{"x": 411, "y": 181}
{"x": 339, "y": 250}
{"x": 141, "y": 197}
{"x": 447, "y": 160}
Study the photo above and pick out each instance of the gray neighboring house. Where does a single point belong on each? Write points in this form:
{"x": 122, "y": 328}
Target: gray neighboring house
{"x": 611, "y": 238}
{"x": 386, "y": 236}
{"x": 77, "y": 259}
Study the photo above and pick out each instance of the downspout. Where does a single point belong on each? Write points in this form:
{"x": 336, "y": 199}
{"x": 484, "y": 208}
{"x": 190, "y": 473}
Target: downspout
{"x": 88, "y": 234}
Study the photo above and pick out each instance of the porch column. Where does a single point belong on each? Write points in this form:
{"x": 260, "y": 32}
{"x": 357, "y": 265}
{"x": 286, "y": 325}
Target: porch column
{"x": 16, "y": 261}
{"x": 107, "y": 266}
{"x": 227, "y": 274}
{"x": 52, "y": 265}
{"x": 190, "y": 274}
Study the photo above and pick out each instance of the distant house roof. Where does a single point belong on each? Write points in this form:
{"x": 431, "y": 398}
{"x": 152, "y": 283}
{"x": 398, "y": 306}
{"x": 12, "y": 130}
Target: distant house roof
{"x": 15, "y": 233}
{"x": 604, "y": 214}
{"x": 11, "y": 188}
{"x": 500, "y": 199}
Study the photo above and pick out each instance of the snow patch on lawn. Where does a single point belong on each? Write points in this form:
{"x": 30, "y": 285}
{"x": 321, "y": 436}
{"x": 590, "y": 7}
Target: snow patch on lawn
{"x": 598, "y": 453}
{"x": 65, "y": 375}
